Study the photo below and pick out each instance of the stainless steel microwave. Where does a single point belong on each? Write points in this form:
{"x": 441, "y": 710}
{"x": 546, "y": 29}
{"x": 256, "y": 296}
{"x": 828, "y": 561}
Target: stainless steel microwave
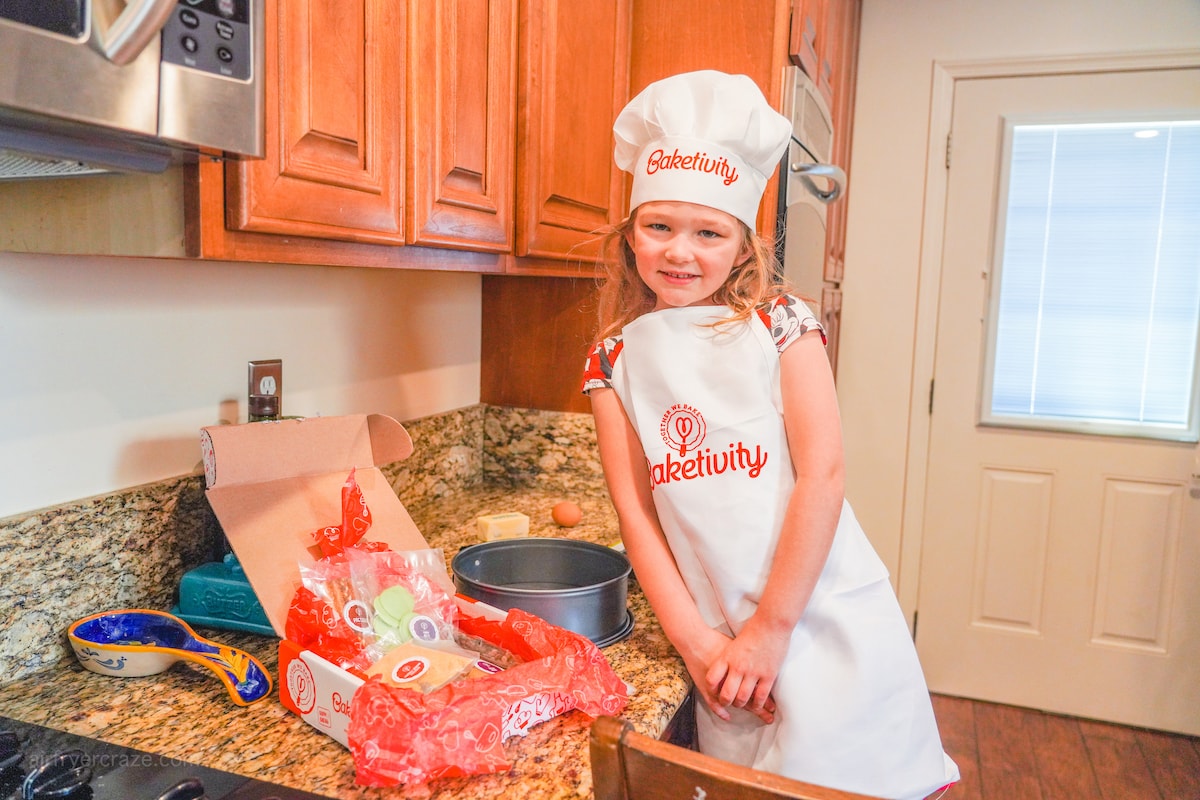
{"x": 128, "y": 85}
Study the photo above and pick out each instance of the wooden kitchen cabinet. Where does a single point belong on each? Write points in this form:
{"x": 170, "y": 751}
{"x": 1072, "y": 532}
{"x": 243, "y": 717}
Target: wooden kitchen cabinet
{"x": 842, "y": 110}
{"x": 468, "y": 131}
{"x": 389, "y": 124}
{"x": 818, "y": 41}
{"x": 831, "y": 321}
{"x": 375, "y": 132}
{"x": 574, "y": 74}
{"x": 466, "y": 135}
{"x": 535, "y": 337}
{"x": 510, "y": 107}
{"x": 462, "y": 57}
{"x": 806, "y": 33}
{"x": 334, "y": 165}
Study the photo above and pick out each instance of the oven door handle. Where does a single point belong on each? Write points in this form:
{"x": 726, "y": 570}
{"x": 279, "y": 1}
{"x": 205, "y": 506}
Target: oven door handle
{"x": 835, "y": 176}
{"x": 123, "y": 39}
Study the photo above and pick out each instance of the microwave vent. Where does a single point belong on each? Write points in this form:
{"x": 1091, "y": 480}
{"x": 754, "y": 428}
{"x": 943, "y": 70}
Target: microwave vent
{"x": 14, "y": 166}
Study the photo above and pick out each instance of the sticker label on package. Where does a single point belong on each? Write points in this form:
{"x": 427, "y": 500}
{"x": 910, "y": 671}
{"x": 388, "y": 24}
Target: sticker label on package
{"x": 423, "y": 628}
{"x": 357, "y": 616}
{"x": 410, "y": 669}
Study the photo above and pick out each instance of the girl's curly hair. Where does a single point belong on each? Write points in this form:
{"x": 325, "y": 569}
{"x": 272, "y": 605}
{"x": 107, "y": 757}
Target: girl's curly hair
{"x": 624, "y": 296}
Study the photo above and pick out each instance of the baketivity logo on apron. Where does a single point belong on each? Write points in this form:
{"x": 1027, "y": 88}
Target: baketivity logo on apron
{"x": 684, "y": 431}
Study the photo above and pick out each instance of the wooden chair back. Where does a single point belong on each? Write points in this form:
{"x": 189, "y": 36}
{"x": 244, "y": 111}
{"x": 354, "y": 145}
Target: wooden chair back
{"x": 627, "y": 765}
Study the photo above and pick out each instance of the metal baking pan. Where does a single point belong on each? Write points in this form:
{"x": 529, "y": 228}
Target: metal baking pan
{"x": 576, "y": 585}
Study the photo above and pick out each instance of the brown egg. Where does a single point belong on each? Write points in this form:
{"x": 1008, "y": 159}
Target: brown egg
{"x": 567, "y": 514}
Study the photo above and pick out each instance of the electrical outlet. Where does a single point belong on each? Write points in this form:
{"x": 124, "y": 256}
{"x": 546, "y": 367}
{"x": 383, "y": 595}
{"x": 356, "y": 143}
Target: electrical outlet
{"x": 267, "y": 378}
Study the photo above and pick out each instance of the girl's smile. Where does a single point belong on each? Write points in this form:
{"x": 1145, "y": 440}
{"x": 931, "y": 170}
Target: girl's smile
{"x": 684, "y": 251}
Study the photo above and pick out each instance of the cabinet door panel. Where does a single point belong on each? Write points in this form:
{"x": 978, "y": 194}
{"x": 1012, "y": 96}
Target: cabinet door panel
{"x": 807, "y": 30}
{"x": 832, "y": 35}
{"x": 844, "y": 75}
{"x": 333, "y": 166}
{"x": 574, "y": 81}
{"x": 462, "y": 114}
{"x": 831, "y": 320}
{"x": 534, "y": 359}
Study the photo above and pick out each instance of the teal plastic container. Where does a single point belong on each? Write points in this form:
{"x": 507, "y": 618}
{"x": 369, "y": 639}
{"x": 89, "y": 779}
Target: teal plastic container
{"x": 218, "y": 595}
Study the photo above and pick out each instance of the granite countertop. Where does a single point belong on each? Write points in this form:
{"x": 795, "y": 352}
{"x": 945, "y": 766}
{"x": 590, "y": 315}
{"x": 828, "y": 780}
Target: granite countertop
{"x": 185, "y": 713}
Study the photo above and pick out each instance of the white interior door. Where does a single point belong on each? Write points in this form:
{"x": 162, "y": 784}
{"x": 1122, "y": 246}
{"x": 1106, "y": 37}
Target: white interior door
{"x": 1059, "y": 570}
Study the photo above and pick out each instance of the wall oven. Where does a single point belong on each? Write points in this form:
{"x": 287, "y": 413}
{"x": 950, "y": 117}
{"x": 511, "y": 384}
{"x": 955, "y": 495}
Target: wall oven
{"x": 807, "y": 183}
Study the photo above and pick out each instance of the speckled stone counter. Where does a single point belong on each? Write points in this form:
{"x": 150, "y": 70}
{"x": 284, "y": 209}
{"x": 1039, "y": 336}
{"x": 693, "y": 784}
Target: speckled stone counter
{"x": 185, "y": 713}
{"x": 128, "y": 549}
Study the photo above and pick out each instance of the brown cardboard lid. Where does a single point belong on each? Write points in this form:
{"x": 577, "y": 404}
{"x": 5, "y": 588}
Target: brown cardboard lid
{"x": 274, "y": 484}
{"x": 257, "y": 451}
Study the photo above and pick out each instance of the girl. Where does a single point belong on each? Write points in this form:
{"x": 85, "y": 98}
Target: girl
{"x": 718, "y": 429}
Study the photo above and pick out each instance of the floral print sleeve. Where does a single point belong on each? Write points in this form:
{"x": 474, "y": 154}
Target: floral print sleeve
{"x": 597, "y": 373}
{"x": 788, "y": 318}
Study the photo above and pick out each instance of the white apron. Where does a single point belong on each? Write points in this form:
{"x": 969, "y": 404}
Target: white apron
{"x": 853, "y": 710}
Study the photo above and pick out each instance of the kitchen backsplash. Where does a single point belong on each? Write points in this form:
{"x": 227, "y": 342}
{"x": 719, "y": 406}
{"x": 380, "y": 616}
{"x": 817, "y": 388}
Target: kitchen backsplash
{"x": 130, "y": 548}
{"x": 548, "y": 449}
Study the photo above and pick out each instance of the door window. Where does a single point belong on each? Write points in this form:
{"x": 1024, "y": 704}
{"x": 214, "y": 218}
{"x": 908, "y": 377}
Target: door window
{"x": 1095, "y": 315}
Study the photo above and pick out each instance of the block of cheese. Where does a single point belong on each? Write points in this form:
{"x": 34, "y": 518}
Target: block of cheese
{"x": 426, "y": 669}
{"x": 512, "y": 525}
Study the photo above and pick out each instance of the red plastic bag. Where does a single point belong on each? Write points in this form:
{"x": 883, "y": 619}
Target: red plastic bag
{"x": 316, "y": 617}
{"x": 404, "y": 737}
{"x": 313, "y": 624}
{"x": 356, "y": 521}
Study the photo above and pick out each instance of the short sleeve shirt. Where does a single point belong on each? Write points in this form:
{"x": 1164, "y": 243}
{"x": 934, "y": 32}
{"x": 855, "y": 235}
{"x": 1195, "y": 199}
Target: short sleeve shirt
{"x": 786, "y": 317}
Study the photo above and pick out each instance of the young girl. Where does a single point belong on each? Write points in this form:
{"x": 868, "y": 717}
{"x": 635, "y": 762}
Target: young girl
{"x": 719, "y": 435}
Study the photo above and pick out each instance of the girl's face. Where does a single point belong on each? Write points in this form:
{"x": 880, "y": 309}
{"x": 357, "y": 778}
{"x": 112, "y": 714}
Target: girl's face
{"x": 684, "y": 251}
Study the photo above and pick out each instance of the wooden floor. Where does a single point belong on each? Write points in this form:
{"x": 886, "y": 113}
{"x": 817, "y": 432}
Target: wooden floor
{"x": 1009, "y": 753}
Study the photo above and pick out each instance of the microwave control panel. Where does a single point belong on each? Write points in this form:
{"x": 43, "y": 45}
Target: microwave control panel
{"x": 212, "y": 36}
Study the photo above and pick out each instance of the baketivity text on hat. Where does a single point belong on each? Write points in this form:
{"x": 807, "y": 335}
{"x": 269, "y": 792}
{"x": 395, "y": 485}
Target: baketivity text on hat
{"x": 698, "y": 162}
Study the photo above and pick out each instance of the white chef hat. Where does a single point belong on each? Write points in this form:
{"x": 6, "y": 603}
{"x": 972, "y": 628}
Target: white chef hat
{"x": 701, "y": 137}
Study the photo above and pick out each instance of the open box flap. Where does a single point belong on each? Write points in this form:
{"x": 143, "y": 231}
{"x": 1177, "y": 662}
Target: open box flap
{"x": 260, "y": 451}
{"x": 271, "y": 485}
{"x": 390, "y": 441}
{"x": 269, "y": 525}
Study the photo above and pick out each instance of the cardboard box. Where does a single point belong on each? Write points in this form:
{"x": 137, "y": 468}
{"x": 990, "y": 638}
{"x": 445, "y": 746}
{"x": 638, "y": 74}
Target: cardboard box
{"x": 272, "y": 485}
{"x": 320, "y": 693}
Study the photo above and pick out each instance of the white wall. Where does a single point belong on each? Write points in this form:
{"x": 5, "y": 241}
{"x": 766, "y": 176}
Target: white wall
{"x": 901, "y": 40}
{"x": 110, "y": 366}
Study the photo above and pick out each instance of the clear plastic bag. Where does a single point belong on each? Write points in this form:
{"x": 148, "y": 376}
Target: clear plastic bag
{"x": 403, "y": 596}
